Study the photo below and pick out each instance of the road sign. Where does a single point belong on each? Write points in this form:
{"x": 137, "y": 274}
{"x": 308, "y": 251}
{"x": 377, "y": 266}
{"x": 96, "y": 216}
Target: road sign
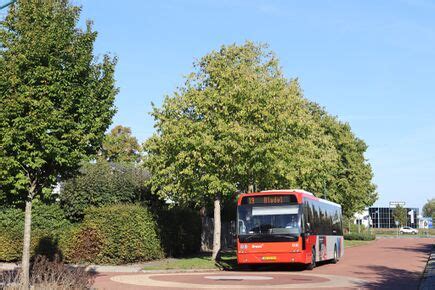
{"x": 397, "y": 223}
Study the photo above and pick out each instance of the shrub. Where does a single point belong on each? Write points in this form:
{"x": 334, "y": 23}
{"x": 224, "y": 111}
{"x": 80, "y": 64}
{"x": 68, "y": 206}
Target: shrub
{"x": 180, "y": 231}
{"x": 102, "y": 183}
{"x": 361, "y": 236}
{"x": 115, "y": 234}
{"x": 48, "y": 222}
{"x": 47, "y": 274}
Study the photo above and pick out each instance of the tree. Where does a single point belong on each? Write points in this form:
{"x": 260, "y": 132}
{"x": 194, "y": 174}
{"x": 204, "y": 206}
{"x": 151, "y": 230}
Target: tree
{"x": 400, "y": 215}
{"x": 350, "y": 184}
{"x": 236, "y": 124}
{"x": 56, "y": 101}
{"x": 120, "y": 146}
{"x": 103, "y": 183}
{"x": 429, "y": 208}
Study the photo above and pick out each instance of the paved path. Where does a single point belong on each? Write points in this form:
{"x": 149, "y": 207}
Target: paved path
{"x": 382, "y": 264}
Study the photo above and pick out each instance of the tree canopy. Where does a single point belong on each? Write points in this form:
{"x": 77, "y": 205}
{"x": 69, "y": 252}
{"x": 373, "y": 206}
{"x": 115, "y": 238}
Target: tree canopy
{"x": 238, "y": 121}
{"x": 429, "y": 208}
{"x": 56, "y": 100}
{"x": 103, "y": 183}
{"x": 400, "y": 215}
{"x": 350, "y": 182}
{"x": 119, "y": 145}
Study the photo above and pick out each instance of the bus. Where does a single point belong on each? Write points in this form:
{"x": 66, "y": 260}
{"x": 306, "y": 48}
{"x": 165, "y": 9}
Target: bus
{"x": 288, "y": 226}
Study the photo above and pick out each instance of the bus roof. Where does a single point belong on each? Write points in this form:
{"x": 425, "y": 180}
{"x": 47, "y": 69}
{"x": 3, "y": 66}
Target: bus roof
{"x": 284, "y": 191}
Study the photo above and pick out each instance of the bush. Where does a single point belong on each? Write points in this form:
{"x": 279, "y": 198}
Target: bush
{"x": 180, "y": 231}
{"x": 48, "y": 223}
{"x": 47, "y": 274}
{"x": 360, "y": 237}
{"x": 102, "y": 183}
{"x": 114, "y": 234}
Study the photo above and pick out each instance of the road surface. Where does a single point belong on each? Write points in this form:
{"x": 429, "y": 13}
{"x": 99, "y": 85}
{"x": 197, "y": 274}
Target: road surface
{"x": 387, "y": 263}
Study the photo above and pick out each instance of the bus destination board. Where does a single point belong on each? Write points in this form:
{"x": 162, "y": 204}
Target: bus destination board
{"x": 269, "y": 199}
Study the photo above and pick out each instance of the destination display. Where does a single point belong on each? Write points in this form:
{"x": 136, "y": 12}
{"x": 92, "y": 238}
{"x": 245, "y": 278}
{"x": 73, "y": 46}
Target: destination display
{"x": 269, "y": 199}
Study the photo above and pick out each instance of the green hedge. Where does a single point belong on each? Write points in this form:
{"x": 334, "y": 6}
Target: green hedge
{"x": 48, "y": 224}
{"x": 360, "y": 236}
{"x": 180, "y": 231}
{"x": 113, "y": 234}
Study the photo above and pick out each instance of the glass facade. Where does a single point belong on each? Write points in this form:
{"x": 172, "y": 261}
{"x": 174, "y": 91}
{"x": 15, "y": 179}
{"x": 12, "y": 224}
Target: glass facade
{"x": 382, "y": 217}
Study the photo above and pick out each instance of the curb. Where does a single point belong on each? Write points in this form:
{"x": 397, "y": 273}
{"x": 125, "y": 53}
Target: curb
{"x": 427, "y": 282}
{"x": 117, "y": 269}
{"x": 171, "y": 271}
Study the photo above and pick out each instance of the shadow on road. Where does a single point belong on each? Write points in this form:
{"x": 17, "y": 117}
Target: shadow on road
{"x": 419, "y": 249}
{"x": 392, "y": 278}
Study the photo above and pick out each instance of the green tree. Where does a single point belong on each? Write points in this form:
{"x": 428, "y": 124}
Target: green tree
{"x": 236, "y": 124}
{"x": 120, "y": 146}
{"x": 103, "y": 183}
{"x": 350, "y": 184}
{"x": 56, "y": 101}
{"x": 400, "y": 215}
{"x": 429, "y": 208}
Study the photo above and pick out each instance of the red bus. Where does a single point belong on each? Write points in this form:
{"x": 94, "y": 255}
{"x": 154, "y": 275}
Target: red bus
{"x": 288, "y": 226}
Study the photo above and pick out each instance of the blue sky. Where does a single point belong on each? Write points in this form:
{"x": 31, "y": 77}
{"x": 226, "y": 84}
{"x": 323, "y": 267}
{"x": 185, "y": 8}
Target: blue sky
{"x": 371, "y": 63}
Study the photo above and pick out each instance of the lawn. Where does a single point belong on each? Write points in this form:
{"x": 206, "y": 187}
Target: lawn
{"x": 200, "y": 261}
{"x": 203, "y": 261}
{"x": 355, "y": 243}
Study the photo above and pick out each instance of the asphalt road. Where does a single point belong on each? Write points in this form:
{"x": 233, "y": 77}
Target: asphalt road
{"x": 383, "y": 264}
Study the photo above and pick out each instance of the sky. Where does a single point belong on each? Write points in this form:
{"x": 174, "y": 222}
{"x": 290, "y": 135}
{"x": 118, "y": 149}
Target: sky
{"x": 371, "y": 63}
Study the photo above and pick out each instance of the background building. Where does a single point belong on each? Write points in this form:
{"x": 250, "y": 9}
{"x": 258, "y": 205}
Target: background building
{"x": 382, "y": 217}
{"x": 425, "y": 223}
{"x": 362, "y": 218}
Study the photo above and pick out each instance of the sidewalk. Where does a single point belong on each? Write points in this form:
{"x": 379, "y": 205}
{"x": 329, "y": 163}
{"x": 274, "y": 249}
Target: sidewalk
{"x": 132, "y": 268}
{"x": 428, "y": 280}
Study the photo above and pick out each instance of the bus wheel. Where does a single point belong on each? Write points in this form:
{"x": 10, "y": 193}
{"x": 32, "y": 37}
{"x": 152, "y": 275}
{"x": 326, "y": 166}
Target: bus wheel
{"x": 335, "y": 259}
{"x": 312, "y": 265}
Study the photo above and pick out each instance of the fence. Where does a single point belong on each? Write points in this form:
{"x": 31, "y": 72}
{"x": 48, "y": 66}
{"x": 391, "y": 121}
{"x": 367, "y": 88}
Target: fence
{"x": 228, "y": 235}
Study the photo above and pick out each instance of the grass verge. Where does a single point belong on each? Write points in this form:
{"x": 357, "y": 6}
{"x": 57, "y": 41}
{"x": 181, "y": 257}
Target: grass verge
{"x": 200, "y": 261}
{"x": 355, "y": 243}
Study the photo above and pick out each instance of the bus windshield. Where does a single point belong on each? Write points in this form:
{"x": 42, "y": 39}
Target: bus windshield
{"x": 270, "y": 220}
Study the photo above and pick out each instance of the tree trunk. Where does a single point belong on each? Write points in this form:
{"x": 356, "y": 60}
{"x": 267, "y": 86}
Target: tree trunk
{"x": 25, "y": 263}
{"x": 217, "y": 230}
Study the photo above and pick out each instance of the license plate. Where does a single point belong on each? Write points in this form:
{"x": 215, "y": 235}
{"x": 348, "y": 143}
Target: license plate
{"x": 269, "y": 258}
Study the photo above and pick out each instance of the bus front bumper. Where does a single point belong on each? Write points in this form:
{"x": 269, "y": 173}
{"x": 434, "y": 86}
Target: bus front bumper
{"x": 266, "y": 258}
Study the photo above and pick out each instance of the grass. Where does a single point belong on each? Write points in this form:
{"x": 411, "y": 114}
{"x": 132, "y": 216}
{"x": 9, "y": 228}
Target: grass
{"x": 393, "y": 232}
{"x": 355, "y": 243}
{"x": 200, "y": 261}
{"x": 203, "y": 261}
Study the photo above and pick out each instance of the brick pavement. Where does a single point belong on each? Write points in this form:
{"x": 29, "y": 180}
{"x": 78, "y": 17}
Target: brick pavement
{"x": 382, "y": 264}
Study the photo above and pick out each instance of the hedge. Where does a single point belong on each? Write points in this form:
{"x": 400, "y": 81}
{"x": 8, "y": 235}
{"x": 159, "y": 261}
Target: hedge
{"x": 360, "y": 236}
{"x": 180, "y": 231}
{"x": 113, "y": 234}
{"x": 48, "y": 223}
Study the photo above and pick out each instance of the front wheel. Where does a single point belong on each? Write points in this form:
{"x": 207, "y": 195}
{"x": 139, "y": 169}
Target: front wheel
{"x": 312, "y": 265}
